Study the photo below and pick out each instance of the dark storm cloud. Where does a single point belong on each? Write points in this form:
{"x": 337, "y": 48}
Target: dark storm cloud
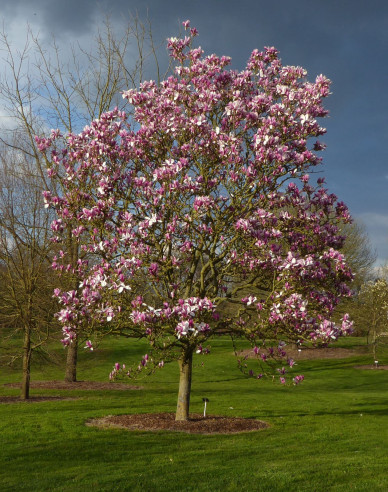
{"x": 68, "y": 17}
{"x": 347, "y": 40}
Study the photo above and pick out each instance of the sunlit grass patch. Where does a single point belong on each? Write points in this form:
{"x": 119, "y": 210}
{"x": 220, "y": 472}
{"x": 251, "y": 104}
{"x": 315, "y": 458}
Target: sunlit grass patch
{"x": 326, "y": 434}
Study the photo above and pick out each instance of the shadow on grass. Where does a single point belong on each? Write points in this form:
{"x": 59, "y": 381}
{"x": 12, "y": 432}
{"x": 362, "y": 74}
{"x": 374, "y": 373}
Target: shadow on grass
{"x": 362, "y": 409}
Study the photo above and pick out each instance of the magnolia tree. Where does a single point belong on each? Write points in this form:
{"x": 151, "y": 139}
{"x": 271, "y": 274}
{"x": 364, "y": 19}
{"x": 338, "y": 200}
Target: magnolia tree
{"x": 197, "y": 215}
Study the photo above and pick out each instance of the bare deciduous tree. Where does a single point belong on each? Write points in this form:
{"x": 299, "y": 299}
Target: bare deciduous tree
{"x": 41, "y": 89}
{"x": 26, "y": 304}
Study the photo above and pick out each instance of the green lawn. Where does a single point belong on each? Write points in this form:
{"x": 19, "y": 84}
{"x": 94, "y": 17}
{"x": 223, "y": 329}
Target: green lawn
{"x": 328, "y": 434}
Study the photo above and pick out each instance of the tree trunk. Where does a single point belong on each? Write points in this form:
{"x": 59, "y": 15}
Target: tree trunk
{"x": 25, "y": 393}
{"x": 72, "y": 349}
{"x": 374, "y": 344}
{"x": 185, "y": 372}
{"x": 71, "y": 362}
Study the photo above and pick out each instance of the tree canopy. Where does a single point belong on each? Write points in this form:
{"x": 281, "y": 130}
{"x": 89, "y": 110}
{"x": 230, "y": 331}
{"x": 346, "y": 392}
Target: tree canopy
{"x": 200, "y": 204}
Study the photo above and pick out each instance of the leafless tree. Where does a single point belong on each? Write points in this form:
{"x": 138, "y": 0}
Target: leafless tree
{"x": 41, "y": 89}
{"x": 26, "y": 304}
{"x": 361, "y": 258}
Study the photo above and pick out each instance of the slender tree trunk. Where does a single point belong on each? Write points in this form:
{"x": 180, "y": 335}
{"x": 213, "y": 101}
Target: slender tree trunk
{"x": 72, "y": 350}
{"x": 185, "y": 372}
{"x": 374, "y": 344}
{"x": 71, "y": 362}
{"x": 25, "y": 393}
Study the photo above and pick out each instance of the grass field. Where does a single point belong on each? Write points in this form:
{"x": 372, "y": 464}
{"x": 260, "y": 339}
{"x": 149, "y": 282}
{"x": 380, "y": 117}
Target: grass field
{"x": 328, "y": 434}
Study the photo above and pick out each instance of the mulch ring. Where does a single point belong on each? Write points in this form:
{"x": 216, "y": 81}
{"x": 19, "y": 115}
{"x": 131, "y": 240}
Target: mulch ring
{"x": 32, "y": 399}
{"x": 63, "y": 385}
{"x": 77, "y": 385}
{"x": 309, "y": 354}
{"x": 166, "y": 422}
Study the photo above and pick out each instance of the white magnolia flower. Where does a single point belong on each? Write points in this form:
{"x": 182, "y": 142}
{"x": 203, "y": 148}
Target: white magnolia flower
{"x": 152, "y": 220}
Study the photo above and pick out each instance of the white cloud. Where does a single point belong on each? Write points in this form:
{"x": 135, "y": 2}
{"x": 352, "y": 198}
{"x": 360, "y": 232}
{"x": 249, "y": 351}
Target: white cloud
{"x": 7, "y": 121}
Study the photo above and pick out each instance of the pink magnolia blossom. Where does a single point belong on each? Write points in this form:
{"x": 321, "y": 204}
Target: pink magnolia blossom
{"x": 89, "y": 345}
{"x": 203, "y": 195}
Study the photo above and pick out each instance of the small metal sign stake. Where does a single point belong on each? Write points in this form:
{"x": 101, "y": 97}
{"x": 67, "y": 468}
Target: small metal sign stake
{"x": 205, "y": 400}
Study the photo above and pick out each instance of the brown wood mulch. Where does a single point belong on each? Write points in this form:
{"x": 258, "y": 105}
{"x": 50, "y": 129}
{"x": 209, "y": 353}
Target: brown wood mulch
{"x": 166, "y": 422}
{"x": 63, "y": 385}
{"x": 32, "y": 399}
{"x": 77, "y": 385}
{"x": 313, "y": 353}
{"x": 321, "y": 353}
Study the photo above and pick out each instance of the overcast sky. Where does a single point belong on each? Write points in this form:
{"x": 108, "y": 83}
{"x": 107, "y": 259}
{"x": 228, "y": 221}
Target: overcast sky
{"x": 346, "y": 40}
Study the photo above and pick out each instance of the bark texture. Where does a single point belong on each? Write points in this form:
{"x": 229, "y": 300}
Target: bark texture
{"x": 71, "y": 362}
{"x": 25, "y": 392}
{"x": 185, "y": 374}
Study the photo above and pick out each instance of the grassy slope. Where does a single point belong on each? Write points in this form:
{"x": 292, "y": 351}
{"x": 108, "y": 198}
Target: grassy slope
{"x": 330, "y": 433}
